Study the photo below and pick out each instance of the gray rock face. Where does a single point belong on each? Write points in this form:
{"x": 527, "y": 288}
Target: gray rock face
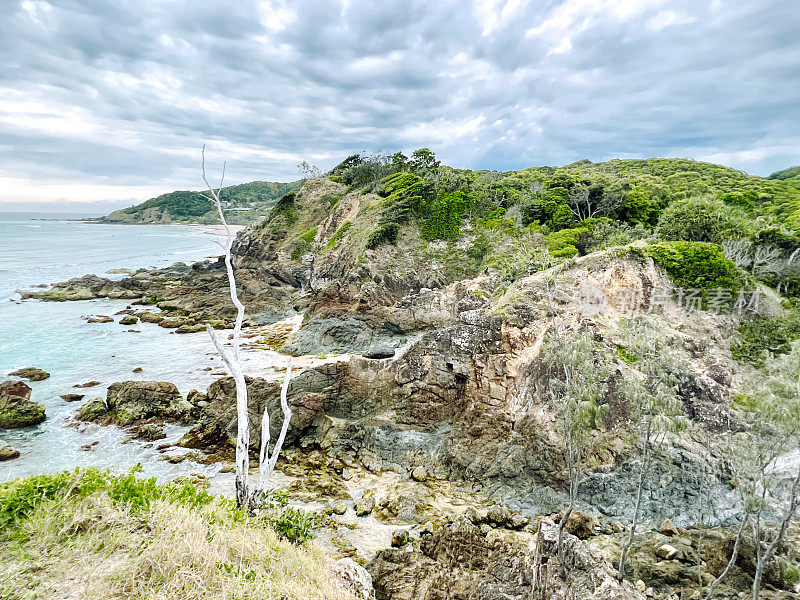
{"x": 348, "y": 335}
{"x": 136, "y": 400}
{"x": 16, "y": 407}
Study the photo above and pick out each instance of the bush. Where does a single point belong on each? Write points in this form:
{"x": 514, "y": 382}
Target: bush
{"x": 551, "y": 209}
{"x": 762, "y": 337}
{"x": 695, "y": 264}
{"x": 293, "y": 524}
{"x": 445, "y": 216}
{"x": 702, "y": 220}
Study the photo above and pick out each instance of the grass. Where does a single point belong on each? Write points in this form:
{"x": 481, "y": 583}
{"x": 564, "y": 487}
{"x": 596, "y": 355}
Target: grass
{"x": 90, "y": 534}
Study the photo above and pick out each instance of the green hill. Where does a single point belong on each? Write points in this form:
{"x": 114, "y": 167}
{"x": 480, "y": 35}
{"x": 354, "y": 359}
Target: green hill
{"x": 245, "y": 203}
{"x": 790, "y": 173}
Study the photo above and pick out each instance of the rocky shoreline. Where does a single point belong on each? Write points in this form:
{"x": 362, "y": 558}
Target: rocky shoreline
{"x": 420, "y": 417}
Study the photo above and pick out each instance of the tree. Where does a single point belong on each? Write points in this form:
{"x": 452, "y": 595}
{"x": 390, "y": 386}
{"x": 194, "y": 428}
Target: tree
{"x": 651, "y": 394}
{"x": 423, "y": 160}
{"x": 247, "y": 497}
{"x": 577, "y": 383}
{"x": 308, "y": 170}
{"x": 773, "y": 412}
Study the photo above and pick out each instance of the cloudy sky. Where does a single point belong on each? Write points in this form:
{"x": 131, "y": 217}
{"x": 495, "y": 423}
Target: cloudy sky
{"x": 109, "y": 101}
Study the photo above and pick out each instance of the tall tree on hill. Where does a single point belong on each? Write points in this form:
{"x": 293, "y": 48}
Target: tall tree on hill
{"x": 651, "y": 394}
{"x": 577, "y": 383}
{"x": 247, "y": 497}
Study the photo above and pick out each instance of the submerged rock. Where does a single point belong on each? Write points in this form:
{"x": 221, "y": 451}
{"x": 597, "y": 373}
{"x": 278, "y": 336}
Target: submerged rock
{"x": 72, "y": 397}
{"x": 129, "y": 320}
{"x": 7, "y": 452}
{"x": 16, "y": 407}
{"x": 31, "y": 373}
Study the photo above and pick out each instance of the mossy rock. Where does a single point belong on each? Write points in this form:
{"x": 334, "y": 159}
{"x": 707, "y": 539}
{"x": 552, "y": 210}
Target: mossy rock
{"x": 93, "y": 410}
{"x": 31, "y": 374}
{"x": 16, "y": 407}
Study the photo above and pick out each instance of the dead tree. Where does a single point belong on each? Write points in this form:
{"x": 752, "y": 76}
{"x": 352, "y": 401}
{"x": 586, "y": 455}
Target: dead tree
{"x": 247, "y": 497}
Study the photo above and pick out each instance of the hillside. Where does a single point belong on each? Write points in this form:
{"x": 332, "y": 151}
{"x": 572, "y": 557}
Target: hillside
{"x": 790, "y": 173}
{"x": 246, "y": 203}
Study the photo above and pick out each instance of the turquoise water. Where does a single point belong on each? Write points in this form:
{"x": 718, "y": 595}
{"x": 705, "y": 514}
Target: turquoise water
{"x": 54, "y": 337}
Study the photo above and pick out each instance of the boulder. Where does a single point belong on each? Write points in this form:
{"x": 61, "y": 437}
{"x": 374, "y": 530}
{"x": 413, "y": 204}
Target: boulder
{"x": 88, "y": 384}
{"x": 136, "y": 400}
{"x": 668, "y": 529}
{"x": 353, "y": 579}
{"x": 93, "y": 410}
{"x": 419, "y": 474}
{"x": 364, "y": 506}
{"x": 31, "y": 373}
{"x": 581, "y": 525}
{"x": 129, "y": 320}
{"x": 667, "y": 552}
{"x": 16, "y": 407}
{"x": 72, "y": 397}
{"x": 7, "y": 452}
{"x": 98, "y": 319}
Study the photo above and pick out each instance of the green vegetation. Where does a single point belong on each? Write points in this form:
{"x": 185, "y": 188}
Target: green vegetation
{"x": 695, "y": 264}
{"x": 340, "y": 233}
{"x": 244, "y": 204}
{"x": 763, "y": 337}
{"x": 95, "y": 535}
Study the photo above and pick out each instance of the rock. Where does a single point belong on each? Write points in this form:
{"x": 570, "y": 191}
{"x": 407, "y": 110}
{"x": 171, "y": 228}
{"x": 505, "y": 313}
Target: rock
{"x": 73, "y": 397}
{"x": 668, "y": 529}
{"x": 88, "y": 384}
{"x": 151, "y": 432}
{"x": 581, "y": 525}
{"x": 365, "y": 506}
{"x": 399, "y": 538}
{"x": 93, "y": 410}
{"x": 353, "y": 579}
{"x": 7, "y": 452}
{"x": 500, "y": 515}
{"x": 419, "y": 474}
{"x": 99, "y": 319}
{"x": 16, "y": 407}
{"x": 129, "y": 320}
{"x": 136, "y": 400}
{"x": 138, "y": 369}
{"x": 667, "y": 552}
{"x": 31, "y": 373}
{"x": 519, "y": 521}
{"x": 339, "y": 508}
{"x": 641, "y": 585}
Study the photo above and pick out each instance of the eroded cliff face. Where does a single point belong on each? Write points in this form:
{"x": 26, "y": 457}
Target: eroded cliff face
{"x": 458, "y": 386}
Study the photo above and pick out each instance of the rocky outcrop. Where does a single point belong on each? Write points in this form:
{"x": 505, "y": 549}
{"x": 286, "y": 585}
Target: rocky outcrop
{"x": 31, "y": 374}
{"x": 128, "y": 402}
{"x": 581, "y": 572}
{"x": 16, "y": 407}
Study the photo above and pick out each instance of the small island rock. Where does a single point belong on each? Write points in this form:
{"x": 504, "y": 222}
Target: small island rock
{"x": 16, "y": 407}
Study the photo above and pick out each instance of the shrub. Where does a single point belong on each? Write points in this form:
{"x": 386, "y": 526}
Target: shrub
{"x": 445, "y": 216}
{"x": 293, "y": 524}
{"x": 551, "y": 209}
{"x": 762, "y": 337}
{"x": 694, "y": 264}
{"x": 702, "y": 220}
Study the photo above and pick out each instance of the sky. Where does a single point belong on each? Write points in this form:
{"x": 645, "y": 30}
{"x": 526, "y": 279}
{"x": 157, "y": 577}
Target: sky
{"x": 105, "y": 103}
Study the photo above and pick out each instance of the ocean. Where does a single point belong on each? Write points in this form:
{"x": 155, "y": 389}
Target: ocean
{"x": 45, "y": 248}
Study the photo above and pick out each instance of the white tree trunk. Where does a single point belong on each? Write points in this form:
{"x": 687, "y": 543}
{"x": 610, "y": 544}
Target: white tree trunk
{"x": 247, "y": 498}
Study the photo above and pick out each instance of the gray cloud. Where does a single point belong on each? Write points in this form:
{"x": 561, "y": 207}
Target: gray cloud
{"x": 100, "y": 96}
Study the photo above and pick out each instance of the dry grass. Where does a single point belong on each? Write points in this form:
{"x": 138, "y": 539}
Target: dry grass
{"x": 92, "y": 548}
